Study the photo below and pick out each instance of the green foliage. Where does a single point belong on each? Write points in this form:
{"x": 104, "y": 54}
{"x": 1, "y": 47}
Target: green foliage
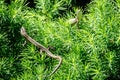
{"x": 90, "y": 51}
{"x": 51, "y": 8}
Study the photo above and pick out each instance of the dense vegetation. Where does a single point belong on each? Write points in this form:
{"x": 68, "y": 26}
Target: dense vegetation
{"x": 90, "y": 51}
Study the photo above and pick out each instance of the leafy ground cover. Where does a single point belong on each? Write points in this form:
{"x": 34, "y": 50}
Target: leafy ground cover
{"x": 90, "y": 51}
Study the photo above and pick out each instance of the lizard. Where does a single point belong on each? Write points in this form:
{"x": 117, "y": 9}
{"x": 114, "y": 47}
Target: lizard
{"x": 76, "y": 19}
{"x": 41, "y": 47}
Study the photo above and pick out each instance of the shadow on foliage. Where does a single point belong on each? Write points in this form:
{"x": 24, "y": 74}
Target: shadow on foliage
{"x": 115, "y": 73}
{"x": 10, "y": 48}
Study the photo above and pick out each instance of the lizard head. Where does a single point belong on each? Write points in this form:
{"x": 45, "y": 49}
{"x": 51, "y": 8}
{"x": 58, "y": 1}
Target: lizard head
{"x": 23, "y": 31}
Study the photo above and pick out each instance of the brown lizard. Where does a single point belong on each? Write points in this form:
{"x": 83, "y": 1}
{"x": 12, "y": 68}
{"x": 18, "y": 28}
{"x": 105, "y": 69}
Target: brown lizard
{"x": 41, "y": 47}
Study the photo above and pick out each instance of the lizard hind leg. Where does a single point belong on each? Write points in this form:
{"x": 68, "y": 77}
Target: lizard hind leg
{"x": 41, "y": 51}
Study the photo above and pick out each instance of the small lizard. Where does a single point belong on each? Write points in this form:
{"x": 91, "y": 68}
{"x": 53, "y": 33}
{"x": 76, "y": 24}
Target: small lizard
{"x": 76, "y": 19}
{"x": 41, "y": 47}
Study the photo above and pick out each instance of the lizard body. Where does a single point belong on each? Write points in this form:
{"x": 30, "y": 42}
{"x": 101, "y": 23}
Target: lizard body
{"x": 23, "y": 33}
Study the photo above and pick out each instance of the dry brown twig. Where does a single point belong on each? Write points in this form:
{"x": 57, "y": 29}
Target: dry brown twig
{"x": 41, "y": 47}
